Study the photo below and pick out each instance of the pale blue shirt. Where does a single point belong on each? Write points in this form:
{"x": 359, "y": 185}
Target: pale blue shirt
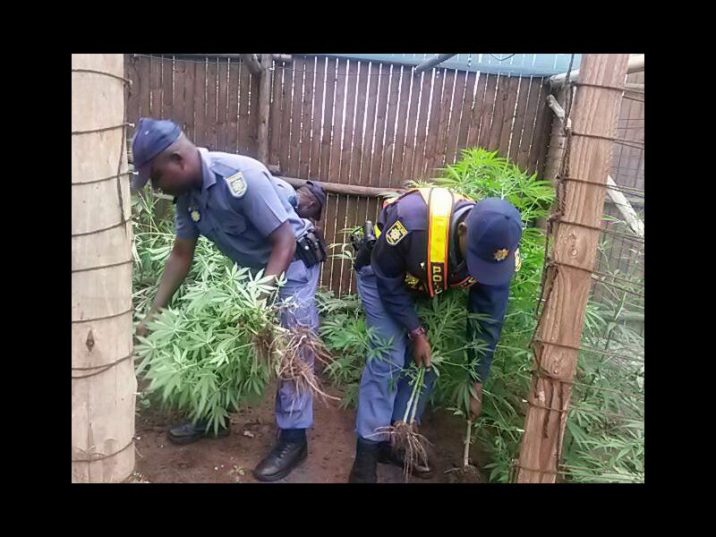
{"x": 237, "y": 212}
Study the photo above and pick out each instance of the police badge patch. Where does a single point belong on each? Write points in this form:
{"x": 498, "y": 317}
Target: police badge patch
{"x": 501, "y": 254}
{"x": 412, "y": 281}
{"x": 237, "y": 185}
{"x": 395, "y": 233}
{"x": 195, "y": 214}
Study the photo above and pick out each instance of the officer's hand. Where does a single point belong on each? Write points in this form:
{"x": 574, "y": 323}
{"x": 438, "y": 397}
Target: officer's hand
{"x": 142, "y": 330}
{"x": 475, "y": 401}
{"x": 421, "y": 351}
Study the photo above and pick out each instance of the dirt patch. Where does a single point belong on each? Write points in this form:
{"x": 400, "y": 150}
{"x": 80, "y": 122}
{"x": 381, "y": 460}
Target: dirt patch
{"x": 331, "y": 448}
{"x": 466, "y": 474}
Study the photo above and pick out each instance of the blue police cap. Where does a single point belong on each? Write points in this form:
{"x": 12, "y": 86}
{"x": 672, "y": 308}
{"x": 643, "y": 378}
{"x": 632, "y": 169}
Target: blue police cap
{"x": 153, "y": 136}
{"x": 494, "y": 229}
{"x": 317, "y": 190}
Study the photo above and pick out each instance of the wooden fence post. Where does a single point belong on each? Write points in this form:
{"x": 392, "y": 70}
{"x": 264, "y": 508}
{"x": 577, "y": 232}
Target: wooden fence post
{"x": 264, "y": 101}
{"x": 103, "y": 378}
{"x": 568, "y": 282}
{"x": 252, "y": 63}
{"x": 555, "y": 149}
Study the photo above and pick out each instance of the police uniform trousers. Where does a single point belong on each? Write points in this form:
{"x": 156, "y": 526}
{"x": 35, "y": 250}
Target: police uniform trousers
{"x": 294, "y": 409}
{"x": 384, "y": 386}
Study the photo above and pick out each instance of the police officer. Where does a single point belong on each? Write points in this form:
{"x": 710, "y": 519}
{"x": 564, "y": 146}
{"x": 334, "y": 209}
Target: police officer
{"x": 308, "y": 200}
{"x": 233, "y": 201}
{"x": 429, "y": 240}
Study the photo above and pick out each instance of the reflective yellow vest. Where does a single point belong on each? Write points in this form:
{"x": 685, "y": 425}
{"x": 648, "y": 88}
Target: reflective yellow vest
{"x": 440, "y": 202}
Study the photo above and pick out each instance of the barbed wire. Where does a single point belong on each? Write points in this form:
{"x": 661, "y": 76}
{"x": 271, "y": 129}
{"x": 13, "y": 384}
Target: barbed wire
{"x": 551, "y": 268}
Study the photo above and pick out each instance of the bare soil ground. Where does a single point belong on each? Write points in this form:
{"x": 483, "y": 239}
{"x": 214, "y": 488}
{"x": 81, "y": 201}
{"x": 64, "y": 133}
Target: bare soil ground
{"x": 331, "y": 448}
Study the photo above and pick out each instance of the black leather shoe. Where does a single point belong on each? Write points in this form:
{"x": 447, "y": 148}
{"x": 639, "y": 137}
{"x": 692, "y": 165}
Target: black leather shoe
{"x": 365, "y": 464}
{"x": 387, "y": 455}
{"x": 282, "y": 459}
{"x": 188, "y": 432}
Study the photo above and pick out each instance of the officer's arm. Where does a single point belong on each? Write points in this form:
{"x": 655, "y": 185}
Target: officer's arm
{"x": 178, "y": 263}
{"x": 283, "y": 246}
{"x": 175, "y": 270}
{"x": 181, "y": 256}
{"x": 486, "y": 300}
{"x": 388, "y": 263}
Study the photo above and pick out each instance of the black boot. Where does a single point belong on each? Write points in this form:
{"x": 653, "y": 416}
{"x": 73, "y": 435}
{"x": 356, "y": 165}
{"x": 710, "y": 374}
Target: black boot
{"x": 291, "y": 449}
{"x": 188, "y": 432}
{"x": 365, "y": 465}
{"x": 387, "y": 455}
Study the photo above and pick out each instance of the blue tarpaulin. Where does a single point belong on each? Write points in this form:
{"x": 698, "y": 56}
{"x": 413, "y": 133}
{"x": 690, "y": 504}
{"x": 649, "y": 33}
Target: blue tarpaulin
{"x": 503, "y": 63}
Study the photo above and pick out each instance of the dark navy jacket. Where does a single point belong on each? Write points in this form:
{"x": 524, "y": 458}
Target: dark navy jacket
{"x": 391, "y": 263}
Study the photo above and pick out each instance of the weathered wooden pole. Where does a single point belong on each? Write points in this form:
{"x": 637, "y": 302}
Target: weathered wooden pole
{"x": 253, "y": 63}
{"x": 636, "y": 64}
{"x": 555, "y": 150}
{"x": 103, "y": 378}
{"x": 264, "y": 106}
{"x": 568, "y": 282}
{"x": 431, "y": 62}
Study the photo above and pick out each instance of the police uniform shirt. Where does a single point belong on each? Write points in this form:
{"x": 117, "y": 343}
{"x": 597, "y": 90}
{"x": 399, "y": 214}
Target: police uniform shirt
{"x": 288, "y": 193}
{"x": 407, "y": 254}
{"x": 286, "y": 190}
{"x": 237, "y": 207}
